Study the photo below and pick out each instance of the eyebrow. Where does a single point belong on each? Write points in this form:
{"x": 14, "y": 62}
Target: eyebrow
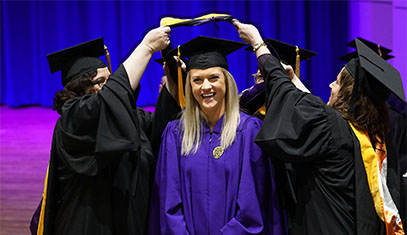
{"x": 216, "y": 73}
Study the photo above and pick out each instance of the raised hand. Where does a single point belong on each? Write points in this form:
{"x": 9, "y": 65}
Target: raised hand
{"x": 157, "y": 39}
{"x": 248, "y": 33}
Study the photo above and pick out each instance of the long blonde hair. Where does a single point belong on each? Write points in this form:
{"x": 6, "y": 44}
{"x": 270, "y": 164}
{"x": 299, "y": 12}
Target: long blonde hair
{"x": 192, "y": 116}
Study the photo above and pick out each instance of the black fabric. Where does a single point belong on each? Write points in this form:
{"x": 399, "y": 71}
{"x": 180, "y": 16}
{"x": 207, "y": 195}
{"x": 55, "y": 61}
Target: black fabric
{"x": 398, "y": 135}
{"x": 168, "y": 110}
{"x": 101, "y": 164}
{"x": 252, "y": 99}
{"x": 330, "y": 181}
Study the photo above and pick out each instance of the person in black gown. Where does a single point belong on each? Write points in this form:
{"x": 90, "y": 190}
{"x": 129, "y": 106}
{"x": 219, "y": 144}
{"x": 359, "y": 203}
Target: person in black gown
{"x": 397, "y": 114}
{"x": 101, "y": 165}
{"x": 330, "y": 145}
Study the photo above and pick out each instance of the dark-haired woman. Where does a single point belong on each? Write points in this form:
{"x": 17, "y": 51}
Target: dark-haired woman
{"x": 101, "y": 162}
{"x": 345, "y": 176}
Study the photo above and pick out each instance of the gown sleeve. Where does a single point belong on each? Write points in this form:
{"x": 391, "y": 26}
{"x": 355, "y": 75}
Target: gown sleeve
{"x": 166, "y": 209}
{"x": 250, "y": 198}
{"x": 96, "y": 128}
{"x": 296, "y": 127}
{"x": 166, "y": 110}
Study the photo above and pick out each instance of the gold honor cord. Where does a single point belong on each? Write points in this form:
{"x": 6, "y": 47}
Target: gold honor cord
{"x": 181, "y": 96}
{"x": 169, "y": 21}
{"x": 41, "y": 220}
{"x": 109, "y": 64}
{"x": 297, "y": 62}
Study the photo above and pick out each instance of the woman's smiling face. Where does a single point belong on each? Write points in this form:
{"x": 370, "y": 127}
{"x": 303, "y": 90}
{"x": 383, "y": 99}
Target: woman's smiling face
{"x": 209, "y": 88}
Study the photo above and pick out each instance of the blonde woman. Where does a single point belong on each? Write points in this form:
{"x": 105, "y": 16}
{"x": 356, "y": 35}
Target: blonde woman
{"x": 211, "y": 178}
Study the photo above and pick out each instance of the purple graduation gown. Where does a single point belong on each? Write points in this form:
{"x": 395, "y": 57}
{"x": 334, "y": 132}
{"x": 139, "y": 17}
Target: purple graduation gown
{"x": 198, "y": 194}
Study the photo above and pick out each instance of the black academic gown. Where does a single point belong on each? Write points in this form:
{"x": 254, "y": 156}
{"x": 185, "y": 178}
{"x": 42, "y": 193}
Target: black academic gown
{"x": 329, "y": 191}
{"x": 101, "y": 164}
{"x": 398, "y": 134}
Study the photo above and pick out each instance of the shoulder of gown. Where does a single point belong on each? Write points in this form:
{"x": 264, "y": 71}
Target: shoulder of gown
{"x": 298, "y": 126}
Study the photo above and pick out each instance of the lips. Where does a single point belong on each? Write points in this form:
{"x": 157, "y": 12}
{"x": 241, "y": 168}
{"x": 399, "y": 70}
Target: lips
{"x": 208, "y": 95}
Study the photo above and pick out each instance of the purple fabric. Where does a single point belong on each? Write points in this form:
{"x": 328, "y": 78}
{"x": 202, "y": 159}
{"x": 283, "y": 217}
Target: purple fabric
{"x": 34, "y": 219}
{"x": 198, "y": 194}
{"x": 251, "y": 93}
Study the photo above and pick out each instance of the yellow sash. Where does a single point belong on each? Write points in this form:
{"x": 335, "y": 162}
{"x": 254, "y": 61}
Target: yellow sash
{"x": 375, "y": 163}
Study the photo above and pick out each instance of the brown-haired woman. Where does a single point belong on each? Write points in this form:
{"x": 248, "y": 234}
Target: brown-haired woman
{"x": 345, "y": 178}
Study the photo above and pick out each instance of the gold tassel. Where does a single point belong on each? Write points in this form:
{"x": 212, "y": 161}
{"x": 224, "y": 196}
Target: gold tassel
{"x": 109, "y": 64}
{"x": 379, "y": 50}
{"x": 181, "y": 96}
{"x": 297, "y": 62}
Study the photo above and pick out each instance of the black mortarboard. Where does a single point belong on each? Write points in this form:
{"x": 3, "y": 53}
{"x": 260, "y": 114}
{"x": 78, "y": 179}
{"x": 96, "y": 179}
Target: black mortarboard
{"x": 381, "y": 51}
{"x": 253, "y": 99}
{"x": 203, "y": 52}
{"x": 378, "y": 77}
{"x": 77, "y": 60}
{"x": 374, "y": 46}
{"x": 287, "y": 53}
{"x": 206, "y": 52}
{"x": 354, "y": 54}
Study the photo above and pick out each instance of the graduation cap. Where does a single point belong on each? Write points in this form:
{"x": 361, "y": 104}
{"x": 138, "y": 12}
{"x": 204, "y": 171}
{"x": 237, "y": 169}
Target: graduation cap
{"x": 354, "y": 54}
{"x": 78, "y": 59}
{"x": 204, "y": 52}
{"x": 381, "y": 51}
{"x": 375, "y": 76}
{"x": 253, "y": 99}
{"x": 287, "y": 53}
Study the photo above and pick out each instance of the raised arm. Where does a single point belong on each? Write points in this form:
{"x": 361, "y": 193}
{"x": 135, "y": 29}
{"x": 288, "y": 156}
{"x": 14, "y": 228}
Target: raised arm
{"x": 249, "y": 34}
{"x": 155, "y": 40}
{"x": 296, "y": 125}
{"x": 294, "y": 79}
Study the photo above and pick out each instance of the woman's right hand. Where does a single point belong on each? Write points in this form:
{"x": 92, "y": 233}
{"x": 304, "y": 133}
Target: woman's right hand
{"x": 248, "y": 33}
{"x": 157, "y": 39}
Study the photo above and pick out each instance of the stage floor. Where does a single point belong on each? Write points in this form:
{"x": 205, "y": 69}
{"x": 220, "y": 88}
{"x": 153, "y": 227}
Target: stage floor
{"x": 25, "y": 145}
